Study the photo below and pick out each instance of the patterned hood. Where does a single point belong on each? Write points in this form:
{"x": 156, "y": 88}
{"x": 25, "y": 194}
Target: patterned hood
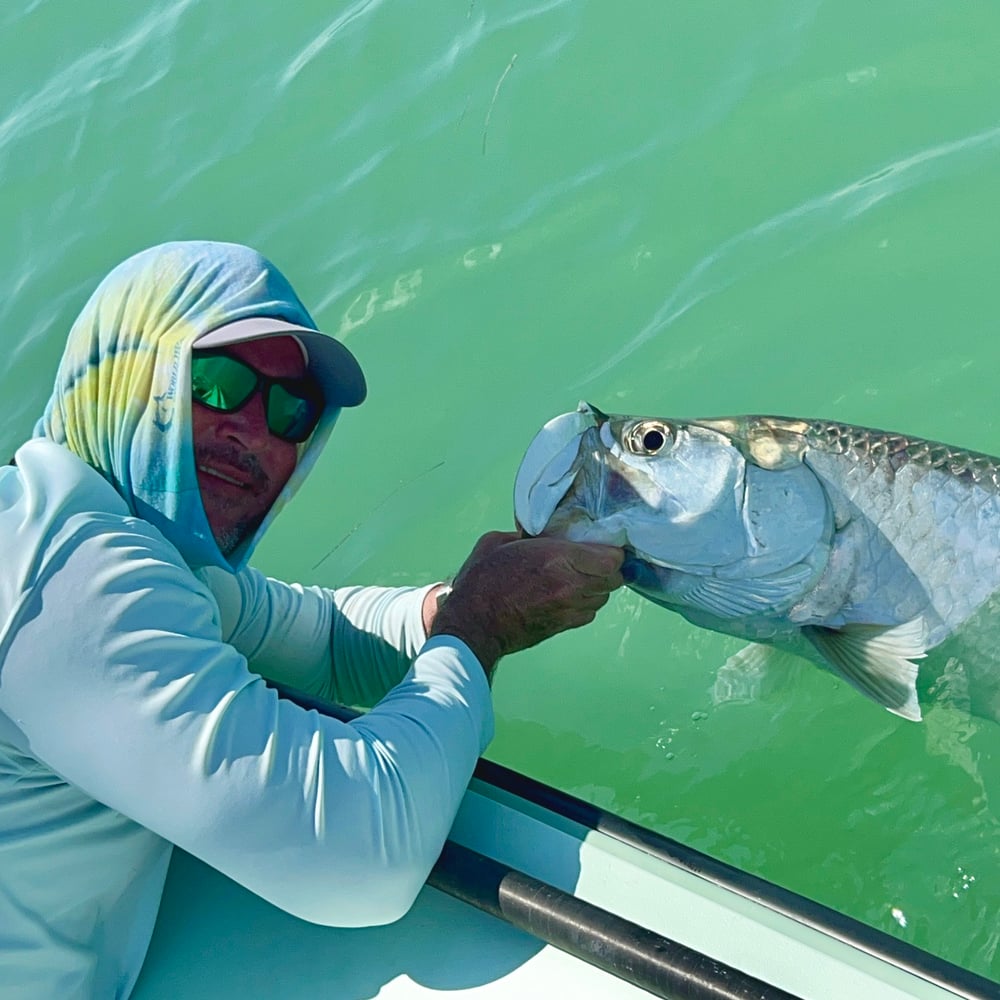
{"x": 122, "y": 402}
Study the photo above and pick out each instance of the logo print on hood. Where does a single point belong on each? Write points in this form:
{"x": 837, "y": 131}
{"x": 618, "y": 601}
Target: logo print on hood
{"x": 164, "y": 403}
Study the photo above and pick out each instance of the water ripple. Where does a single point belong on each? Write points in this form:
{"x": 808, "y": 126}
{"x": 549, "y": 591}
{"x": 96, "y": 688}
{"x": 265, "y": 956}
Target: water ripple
{"x": 325, "y": 37}
{"x": 792, "y": 230}
{"x": 12, "y": 17}
{"x": 527, "y": 14}
{"x": 62, "y": 94}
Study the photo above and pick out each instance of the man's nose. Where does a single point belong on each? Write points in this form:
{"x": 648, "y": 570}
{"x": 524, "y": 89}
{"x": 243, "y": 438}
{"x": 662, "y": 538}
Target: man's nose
{"x": 248, "y": 424}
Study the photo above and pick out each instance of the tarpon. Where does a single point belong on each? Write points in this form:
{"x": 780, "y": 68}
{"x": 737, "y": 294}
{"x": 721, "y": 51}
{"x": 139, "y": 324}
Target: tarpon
{"x": 859, "y": 549}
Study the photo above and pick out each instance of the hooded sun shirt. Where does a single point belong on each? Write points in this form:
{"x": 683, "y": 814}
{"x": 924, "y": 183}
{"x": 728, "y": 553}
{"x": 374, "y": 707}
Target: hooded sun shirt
{"x": 133, "y": 714}
{"x": 122, "y": 398}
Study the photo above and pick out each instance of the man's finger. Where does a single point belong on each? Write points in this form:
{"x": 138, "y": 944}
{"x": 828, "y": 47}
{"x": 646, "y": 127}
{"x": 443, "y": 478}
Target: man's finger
{"x": 591, "y": 559}
{"x": 493, "y": 540}
{"x": 593, "y": 602}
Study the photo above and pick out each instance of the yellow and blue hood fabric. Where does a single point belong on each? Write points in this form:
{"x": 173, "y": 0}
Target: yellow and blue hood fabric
{"x": 121, "y": 400}
{"x": 133, "y": 711}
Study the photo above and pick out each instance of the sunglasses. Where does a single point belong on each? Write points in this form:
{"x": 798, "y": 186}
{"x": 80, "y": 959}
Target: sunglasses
{"x": 225, "y": 384}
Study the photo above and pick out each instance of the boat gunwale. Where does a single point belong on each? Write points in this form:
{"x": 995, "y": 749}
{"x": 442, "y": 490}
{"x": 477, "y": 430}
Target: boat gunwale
{"x": 842, "y": 927}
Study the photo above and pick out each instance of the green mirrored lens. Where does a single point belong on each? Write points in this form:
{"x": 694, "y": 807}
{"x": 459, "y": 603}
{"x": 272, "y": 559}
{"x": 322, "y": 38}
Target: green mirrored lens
{"x": 291, "y": 416}
{"x": 221, "y": 382}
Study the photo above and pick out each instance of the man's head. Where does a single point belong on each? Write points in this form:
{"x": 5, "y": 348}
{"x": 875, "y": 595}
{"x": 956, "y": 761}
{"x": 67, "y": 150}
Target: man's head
{"x": 242, "y": 463}
{"x": 259, "y": 388}
{"x": 122, "y": 400}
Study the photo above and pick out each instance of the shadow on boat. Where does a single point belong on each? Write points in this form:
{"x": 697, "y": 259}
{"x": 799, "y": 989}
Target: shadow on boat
{"x": 215, "y": 939}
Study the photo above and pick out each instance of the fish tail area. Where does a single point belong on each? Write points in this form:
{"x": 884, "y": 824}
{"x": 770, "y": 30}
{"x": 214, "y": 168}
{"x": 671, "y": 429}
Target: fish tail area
{"x": 876, "y": 660}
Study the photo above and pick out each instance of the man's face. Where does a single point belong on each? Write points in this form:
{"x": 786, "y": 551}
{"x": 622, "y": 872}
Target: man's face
{"x": 241, "y": 465}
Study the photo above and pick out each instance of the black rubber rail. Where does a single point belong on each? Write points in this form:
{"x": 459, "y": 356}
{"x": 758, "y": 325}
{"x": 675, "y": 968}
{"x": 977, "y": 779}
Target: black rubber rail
{"x": 627, "y": 950}
{"x": 618, "y": 946}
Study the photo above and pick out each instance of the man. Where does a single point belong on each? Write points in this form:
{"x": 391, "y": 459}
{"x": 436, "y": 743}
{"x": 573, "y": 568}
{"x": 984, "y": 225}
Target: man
{"x": 193, "y": 397}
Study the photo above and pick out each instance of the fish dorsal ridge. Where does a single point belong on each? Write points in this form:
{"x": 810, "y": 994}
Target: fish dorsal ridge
{"x": 770, "y": 443}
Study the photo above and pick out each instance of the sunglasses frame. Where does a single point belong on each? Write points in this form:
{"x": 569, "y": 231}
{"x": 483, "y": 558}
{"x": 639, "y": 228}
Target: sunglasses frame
{"x": 306, "y": 388}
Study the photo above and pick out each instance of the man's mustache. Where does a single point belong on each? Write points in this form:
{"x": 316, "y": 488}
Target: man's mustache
{"x": 244, "y": 462}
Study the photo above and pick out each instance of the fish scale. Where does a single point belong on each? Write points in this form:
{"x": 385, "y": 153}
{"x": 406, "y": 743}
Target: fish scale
{"x": 861, "y": 549}
{"x": 938, "y": 521}
{"x": 864, "y": 442}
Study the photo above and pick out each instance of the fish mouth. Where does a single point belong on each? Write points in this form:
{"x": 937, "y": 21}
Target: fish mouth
{"x": 568, "y": 478}
{"x": 550, "y": 466}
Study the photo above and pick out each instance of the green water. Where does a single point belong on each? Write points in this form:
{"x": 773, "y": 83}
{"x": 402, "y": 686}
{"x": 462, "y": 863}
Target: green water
{"x": 665, "y": 208}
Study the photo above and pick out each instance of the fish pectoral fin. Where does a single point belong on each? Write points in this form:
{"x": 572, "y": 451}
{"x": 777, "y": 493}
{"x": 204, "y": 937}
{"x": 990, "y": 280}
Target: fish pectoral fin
{"x": 738, "y": 597}
{"x": 741, "y": 677}
{"x": 755, "y": 672}
{"x": 878, "y": 661}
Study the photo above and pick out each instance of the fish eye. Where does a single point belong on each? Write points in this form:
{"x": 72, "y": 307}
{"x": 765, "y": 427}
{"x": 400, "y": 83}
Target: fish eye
{"x": 653, "y": 440}
{"x": 648, "y": 438}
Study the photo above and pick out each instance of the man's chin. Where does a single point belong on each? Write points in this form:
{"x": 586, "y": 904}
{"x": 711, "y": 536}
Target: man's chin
{"x": 229, "y": 529}
{"x": 230, "y": 533}
{"x": 229, "y": 540}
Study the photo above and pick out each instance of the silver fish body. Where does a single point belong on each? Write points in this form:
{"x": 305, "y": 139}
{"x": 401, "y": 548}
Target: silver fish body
{"x": 858, "y": 548}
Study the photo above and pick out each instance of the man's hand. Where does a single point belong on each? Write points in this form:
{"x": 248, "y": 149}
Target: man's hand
{"x": 513, "y": 592}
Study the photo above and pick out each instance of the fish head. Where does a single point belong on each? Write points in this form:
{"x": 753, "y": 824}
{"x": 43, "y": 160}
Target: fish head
{"x": 721, "y": 498}
{"x": 665, "y": 489}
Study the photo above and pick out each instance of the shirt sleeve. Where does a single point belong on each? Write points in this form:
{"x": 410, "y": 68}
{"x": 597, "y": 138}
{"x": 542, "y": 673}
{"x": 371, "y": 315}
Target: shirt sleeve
{"x": 351, "y": 644}
{"x": 117, "y": 675}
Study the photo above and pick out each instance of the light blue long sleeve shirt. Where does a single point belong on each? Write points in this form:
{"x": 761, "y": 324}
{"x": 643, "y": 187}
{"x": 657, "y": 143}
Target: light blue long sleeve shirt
{"x": 133, "y": 717}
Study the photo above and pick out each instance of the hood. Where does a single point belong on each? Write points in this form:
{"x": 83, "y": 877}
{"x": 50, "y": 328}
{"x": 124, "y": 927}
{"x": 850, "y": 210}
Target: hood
{"x": 122, "y": 402}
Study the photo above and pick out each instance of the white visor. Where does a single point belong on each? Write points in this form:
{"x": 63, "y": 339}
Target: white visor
{"x": 332, "y": 365}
